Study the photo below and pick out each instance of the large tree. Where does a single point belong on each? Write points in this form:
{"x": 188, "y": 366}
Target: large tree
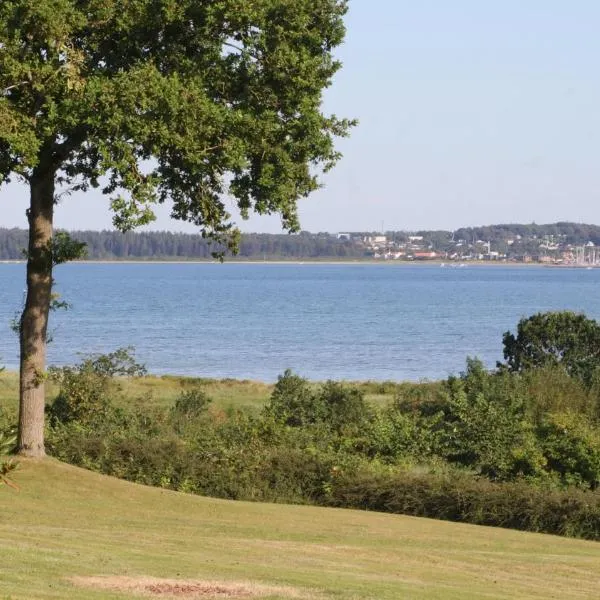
{"x": 555, "y": 339}
{"x": 182, "y": 101}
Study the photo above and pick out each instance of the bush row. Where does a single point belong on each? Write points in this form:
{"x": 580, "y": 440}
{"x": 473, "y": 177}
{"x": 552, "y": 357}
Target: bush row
{"x": 497, "y": 448}
{"x": 573, "y": 513}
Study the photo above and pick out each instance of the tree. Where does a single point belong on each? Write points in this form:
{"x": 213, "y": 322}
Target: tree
{"x": 152, "y": 101}
{"x": 555, "y": 338}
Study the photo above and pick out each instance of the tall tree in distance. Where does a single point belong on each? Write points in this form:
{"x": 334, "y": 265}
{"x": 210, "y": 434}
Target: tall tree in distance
{"x": 152, "y": 101}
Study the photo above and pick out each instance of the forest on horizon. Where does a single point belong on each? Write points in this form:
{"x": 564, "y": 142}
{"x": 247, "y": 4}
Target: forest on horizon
{"x": 513, "y": 240}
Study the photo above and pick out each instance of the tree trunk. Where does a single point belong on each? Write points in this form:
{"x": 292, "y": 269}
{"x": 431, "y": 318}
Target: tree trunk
{"x": 34, "y": 320}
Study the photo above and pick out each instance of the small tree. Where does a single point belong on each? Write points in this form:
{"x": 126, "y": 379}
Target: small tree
{"x": 157, "y": 100}
{"x": 562, "y": 338}
{"x": 297, "y": 403}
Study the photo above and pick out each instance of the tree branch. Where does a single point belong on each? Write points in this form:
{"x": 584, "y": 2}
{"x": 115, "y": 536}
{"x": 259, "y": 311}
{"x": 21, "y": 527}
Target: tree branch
{"x": 60, "y": 152}
{"x": 14, "y": 87}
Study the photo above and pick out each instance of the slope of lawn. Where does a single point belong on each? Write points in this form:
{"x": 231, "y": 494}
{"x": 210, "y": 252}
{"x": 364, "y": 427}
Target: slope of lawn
{"x": 67, "y": 522}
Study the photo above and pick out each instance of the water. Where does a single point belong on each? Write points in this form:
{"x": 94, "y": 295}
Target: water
{"x": 253, "y": 321}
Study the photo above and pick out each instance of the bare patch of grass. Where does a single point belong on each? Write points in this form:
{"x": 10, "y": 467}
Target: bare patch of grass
{"x": 187, "y": 589}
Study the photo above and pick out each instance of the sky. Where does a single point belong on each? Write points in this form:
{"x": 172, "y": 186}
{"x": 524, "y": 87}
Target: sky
{"x": 471, "y": 113}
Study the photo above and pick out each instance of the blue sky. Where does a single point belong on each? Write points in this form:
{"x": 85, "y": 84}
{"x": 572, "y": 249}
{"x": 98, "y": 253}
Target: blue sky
{"x": 471, "y": 112}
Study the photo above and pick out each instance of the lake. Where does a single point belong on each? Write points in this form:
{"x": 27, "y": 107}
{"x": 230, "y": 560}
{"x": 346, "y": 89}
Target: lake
{"x": 338, "y": 321}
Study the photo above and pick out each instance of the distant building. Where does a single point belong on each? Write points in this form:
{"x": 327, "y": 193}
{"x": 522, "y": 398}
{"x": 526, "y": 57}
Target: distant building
{"x": 375, "y": 239}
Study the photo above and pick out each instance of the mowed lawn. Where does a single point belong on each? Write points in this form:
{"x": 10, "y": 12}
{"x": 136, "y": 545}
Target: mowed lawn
{"x": 67, "y": 522}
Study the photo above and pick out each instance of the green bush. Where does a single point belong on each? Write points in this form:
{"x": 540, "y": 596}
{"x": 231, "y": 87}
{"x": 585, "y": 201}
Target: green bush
{"x": 437, "y": 451}
{"x": 8, "y": 440}
{"x": 396, "y": 435}
{"x": 485, "y": 427}
{"x": 552, "y": 390}
{"x": 87, "y": 389}
{"x": 462, "y": 498}
{"x": 563, "y": 338}
{"x": 293, "y": 401}
{"x": 189, "y": 410}
{"x": 571, "y": 447}
{"x": 296, "y": 403}
{"x": 477, "y": 420}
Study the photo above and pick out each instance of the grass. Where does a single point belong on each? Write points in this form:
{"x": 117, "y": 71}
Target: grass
{"x": 160, "y": 391}
{"x": 67, "y": 522}
{"x": 152, "y": 391}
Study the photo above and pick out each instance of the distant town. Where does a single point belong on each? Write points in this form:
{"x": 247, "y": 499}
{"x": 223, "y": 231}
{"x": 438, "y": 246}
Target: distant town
{"x": 563, "y": 243}
{"x": 548, "y": 249}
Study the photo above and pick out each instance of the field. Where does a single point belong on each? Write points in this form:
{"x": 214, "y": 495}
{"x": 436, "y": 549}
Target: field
{"x": 67, "y": 523}
{"x": 71, "y": 533}
{"x": 162, "y": 391}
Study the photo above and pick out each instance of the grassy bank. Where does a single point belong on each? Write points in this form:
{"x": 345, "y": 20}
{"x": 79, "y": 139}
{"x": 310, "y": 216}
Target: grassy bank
{"x": 67, "y": 522}
{"x": 161, "y": 392}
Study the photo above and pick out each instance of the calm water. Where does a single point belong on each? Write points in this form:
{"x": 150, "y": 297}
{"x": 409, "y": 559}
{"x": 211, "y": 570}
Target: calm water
{"x": 324, "y": 321}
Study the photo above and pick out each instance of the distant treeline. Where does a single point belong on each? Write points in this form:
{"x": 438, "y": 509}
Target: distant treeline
{"x": 163, "y": 245}
{"x": 571, "y": 233}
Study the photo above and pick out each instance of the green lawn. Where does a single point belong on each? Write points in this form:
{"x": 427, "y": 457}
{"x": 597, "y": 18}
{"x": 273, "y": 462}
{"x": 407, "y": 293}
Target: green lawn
{"x": 67, "y": 522}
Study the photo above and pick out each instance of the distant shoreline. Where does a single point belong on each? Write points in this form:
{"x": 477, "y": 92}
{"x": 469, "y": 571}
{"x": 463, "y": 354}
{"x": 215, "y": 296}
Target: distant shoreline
{"x": 324, "y": 261}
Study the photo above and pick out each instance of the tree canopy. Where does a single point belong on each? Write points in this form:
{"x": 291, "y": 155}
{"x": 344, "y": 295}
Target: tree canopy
{"x": 171, "y": 99}
{"x": 187, "y": 101}
{"x": 561, "y": 338}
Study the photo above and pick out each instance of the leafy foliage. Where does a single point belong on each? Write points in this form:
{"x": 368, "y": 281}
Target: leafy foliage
{"x": 214, "y": 92}
{"x": 8, "y": 440}
{"x": 457, "y": 497}
{"x": 484, "y": 425}
{"x": 193, "y": 102}
{"x": 571, "y": 446}
{"x": 555, "y": 338}
{"x": 87, "y": 390}
{"x": 516, "y": 449}
{"x": 297, "y": 403}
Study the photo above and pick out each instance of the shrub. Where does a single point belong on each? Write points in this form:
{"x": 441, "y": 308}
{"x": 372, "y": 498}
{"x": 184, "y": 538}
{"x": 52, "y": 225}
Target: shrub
{"x": 477, "y": 420}
{"x": 296, "y": 403}
{"x": 293, "y": 402}
{"x": 87, "y": 389}
{"x": 395, "y": 435}
{"x": 571, "y": 447}
{"x": 189, "y": 408}
{"x": 8, "y": 440}
{"x": 552, "y": 390}
{"x": 484, "y": 425}
{"x": 459, "y": 497}
{"x": 191, "y": 404}
{"x": 120, "y": 363}
{"x": 343, "y": 407}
